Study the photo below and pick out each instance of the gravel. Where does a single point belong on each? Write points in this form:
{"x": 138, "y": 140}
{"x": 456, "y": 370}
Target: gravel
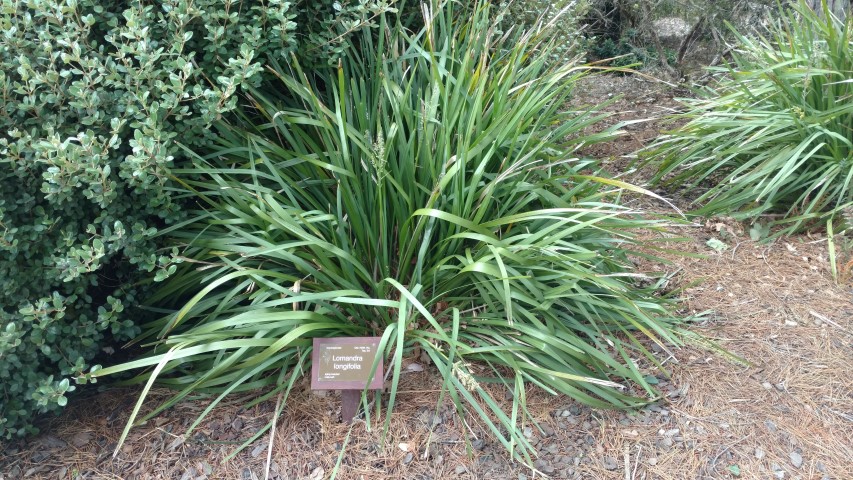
{"x": 796, "y": 459}
{"x": 778, "y": 472}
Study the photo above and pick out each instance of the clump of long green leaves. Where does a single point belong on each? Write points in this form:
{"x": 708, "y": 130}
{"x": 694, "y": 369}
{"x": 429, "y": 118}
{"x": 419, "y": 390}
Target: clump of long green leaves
{"x": 775, "y": 135}
{"x": 425, "y": 191}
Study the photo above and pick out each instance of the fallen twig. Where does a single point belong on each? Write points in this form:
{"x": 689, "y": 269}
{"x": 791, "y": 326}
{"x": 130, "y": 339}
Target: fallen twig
{"x": 826, "y": 319}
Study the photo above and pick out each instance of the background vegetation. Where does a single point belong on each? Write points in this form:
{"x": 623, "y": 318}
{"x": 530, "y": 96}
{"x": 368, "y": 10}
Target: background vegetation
{"x": 561, "y": 18}
{"x": 676, "y": 36}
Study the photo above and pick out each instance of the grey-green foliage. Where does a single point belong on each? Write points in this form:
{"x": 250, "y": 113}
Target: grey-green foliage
{"x": 95, "y": 97}
{"x": 560, "y": 17}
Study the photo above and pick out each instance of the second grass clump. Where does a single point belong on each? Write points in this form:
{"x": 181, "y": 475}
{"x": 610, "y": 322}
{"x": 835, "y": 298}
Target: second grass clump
{"x": 774, "y": 137}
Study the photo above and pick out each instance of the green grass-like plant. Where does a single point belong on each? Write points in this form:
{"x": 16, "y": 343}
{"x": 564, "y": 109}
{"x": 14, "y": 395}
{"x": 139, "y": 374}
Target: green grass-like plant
{"x": 426, "y": 192}
{"x": 775, "y": 135}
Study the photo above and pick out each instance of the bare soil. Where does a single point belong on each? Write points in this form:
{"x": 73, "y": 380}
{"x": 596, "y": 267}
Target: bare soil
{"x": 780, "y": 406}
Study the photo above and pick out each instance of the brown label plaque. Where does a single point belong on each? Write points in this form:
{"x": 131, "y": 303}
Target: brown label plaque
{"x": 344, "y": 363}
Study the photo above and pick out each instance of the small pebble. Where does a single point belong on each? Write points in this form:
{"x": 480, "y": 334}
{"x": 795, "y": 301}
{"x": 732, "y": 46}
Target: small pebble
{"x": 652, "y": 461}
{"x": 759, "y": 453}
{"x": 610, "y": 463}
{"x": 408, "y": 458}
{"x": 260, "y": 448}
{"x": 460, "y": 470}
{"x": 796, "y": 459}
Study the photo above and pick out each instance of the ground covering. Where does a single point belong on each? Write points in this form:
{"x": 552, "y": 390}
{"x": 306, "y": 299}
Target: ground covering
{"x": 785, "y": 411}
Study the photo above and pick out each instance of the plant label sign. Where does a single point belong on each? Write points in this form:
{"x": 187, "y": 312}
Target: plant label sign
{"x": 344, "y": 363}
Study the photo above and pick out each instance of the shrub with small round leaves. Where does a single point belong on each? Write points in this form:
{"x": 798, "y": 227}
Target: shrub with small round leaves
{"x": 97, "y": 101}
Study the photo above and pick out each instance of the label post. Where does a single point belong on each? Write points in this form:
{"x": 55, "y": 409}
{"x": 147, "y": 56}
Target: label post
{"x": 344, "y": 363}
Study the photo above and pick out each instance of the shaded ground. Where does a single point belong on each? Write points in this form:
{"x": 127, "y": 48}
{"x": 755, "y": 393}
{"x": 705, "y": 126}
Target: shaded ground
{"x": 641, "y": 104}
{"x": 786, "y": 412}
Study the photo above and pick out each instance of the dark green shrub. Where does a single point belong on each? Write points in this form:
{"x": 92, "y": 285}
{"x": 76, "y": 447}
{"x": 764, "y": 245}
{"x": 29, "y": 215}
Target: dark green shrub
{"x": 624, "y": 52}
{"x": 94, "y": 96}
